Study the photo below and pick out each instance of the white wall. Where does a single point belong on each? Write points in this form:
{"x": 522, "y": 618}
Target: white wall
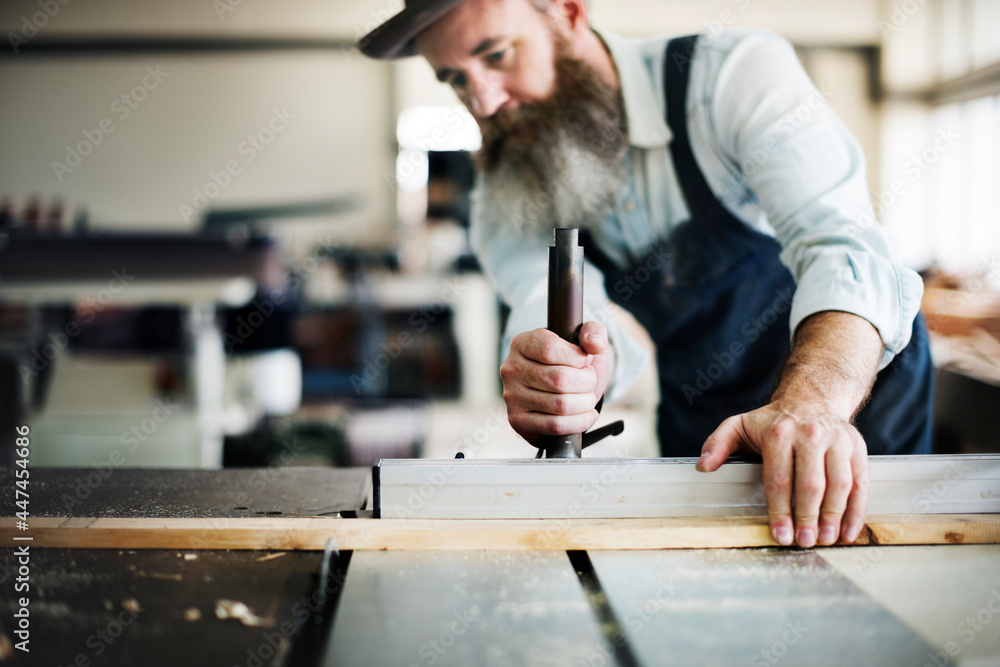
{"x": 194, "y": 122}
{"x": 316, "y": 18}
{"x": 942, "y": 159}
{"x": 843, "y": 75}
{"x": 803, "y": 21}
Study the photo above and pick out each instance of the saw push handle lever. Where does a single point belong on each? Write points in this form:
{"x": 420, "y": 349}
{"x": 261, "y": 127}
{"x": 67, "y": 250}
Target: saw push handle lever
{"x": 614, "y": 428}
{"x": 565, "y": 317}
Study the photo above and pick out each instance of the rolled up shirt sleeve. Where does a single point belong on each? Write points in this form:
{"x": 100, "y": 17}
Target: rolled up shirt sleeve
{"x": 518, "y": 267}
{"x": 808, "y": 174}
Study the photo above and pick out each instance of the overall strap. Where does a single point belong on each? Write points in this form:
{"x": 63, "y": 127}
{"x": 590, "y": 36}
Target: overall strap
{"x": 676, "y": 74}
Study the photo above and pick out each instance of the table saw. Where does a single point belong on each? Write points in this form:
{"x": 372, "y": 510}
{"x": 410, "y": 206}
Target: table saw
{"x": 566, "y": 560}
{"x": 287, "y": 566}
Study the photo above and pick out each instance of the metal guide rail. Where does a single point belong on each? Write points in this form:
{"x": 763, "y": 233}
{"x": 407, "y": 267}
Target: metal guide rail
{"x": 666, "y": 487}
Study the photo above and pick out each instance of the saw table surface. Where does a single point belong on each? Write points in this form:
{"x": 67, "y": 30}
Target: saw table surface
{"x": 900, "y": 605}
{"x": 233, "y": 492}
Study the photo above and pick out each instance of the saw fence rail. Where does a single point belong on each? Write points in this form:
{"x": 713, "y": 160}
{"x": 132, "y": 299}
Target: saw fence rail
{"x": 623, "y": 488}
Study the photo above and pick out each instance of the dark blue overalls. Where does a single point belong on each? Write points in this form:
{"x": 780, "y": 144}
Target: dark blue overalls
{"x": 718, "y": 310}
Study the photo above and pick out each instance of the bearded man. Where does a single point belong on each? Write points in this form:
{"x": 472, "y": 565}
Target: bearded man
{"x": 725, "y": 206}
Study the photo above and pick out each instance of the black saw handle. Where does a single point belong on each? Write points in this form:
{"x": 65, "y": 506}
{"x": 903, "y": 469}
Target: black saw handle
{"x": 565, "y": 317}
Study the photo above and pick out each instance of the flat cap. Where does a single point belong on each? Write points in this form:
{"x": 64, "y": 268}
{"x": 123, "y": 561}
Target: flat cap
{"x": 394, "y": 38}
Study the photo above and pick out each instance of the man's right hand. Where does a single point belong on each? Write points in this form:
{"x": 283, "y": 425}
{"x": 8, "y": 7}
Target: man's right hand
{"x": 552, "y": 386}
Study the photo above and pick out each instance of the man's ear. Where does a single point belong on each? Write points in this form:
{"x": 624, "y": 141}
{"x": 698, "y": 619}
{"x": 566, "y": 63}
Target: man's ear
{"x": 571, "y": 14}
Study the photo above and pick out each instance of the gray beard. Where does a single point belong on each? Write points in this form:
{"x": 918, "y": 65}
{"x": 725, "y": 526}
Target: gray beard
{"x": 578, "y": 189}
{"x": 558, "y": 162}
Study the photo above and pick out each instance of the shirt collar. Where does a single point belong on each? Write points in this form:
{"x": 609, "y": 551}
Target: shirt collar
{"x": 643, "y": 108}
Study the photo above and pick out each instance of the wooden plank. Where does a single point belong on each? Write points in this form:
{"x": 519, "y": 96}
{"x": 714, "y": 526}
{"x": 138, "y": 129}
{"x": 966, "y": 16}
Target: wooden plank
{"x": 511, "y": 534}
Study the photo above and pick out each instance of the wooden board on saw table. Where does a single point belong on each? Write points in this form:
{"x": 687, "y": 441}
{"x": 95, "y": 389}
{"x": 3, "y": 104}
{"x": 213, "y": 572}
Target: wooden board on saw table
{"x": 509, "y": 534}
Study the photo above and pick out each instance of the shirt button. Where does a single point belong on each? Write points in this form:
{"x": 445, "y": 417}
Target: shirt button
{"x": 629, "y": 206}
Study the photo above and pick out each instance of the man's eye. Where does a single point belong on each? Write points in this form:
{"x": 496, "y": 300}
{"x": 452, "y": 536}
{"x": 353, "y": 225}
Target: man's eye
{"x": 496, "y": 56}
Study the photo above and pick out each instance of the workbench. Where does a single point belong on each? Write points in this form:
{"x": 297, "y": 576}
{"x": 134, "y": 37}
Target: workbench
{"x": 858, "y": 605}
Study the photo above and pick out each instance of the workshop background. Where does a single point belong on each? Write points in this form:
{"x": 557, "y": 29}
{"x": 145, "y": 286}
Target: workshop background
{"x": 227, "y": 238}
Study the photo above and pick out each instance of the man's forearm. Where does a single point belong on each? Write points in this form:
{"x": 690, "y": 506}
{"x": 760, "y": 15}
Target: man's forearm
{"x": 832, "y": 365}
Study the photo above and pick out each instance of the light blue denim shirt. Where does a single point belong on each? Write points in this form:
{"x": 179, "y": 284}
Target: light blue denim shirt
{"x": 775, "y": 156}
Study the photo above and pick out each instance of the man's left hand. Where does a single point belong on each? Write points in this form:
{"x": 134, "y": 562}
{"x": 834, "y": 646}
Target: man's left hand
{"x": 815, "y": 461}
{"x": 811, "y": 455}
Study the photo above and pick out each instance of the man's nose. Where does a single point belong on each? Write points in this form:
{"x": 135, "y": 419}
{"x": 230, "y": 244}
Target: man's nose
{"x": 486, "y": 96}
